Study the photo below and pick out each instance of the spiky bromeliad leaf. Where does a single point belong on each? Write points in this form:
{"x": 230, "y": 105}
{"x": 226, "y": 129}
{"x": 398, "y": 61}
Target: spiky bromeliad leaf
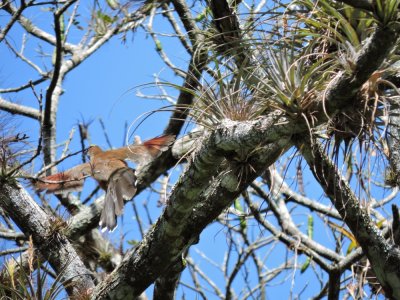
{"x": 386, "y": 11}
{"x": 310, "y": 233}
{"x": 338, "y": 23}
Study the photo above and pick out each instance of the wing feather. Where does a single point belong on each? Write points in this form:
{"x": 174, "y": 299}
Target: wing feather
{"x": 66, "y": 181}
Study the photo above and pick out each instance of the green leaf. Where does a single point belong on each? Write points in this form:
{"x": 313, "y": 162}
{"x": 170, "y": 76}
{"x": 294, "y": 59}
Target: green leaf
{"x": 201, "y": 16}
{"x": 132, "y": 242}
{"x": 310, "y": 226}
{"x": 305, "y": 266}
{"x": 238, "y": 206}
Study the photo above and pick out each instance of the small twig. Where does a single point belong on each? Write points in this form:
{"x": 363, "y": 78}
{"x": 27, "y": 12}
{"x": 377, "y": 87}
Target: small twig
{"x": 39, "y": 143}
{"x": 47, "y": 167}
{"x": 23, "y": 58}
{"x": 159, "y": 48}
{"x": 3, "y": 214}
{"x": 36, "y": 31}
{"x": 70, "y": 137}
{"x": 26, "y": 85}
{"x": 182, "y": 37}
{"x": 14, "y": 250}
{"x": 138, "y": 219}
{"x": 11, "y": 235}
{"x": 84, "y": 134}
{"x": 146, "y": 209}
{"x": 89, "y": 197}
{"x": 71, "y": 19}
{"x": 105, "y": 133}
{"x": 208, "y": 280}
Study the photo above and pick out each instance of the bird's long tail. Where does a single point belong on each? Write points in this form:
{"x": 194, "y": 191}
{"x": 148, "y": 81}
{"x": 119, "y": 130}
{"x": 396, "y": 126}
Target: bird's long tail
{"x": 121, "y": 186}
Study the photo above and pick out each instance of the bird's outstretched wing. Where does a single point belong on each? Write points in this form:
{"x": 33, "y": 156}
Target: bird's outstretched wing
{"x": 66, "y": 181}
{"x": 144, "y": 153}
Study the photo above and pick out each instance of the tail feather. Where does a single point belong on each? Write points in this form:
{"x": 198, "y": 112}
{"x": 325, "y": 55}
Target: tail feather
{"x": 121, "y": 186}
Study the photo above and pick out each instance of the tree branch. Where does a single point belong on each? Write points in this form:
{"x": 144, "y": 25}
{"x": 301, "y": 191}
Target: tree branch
{"x": 34, "y": 30}
{"x": 369, "y": 59}
{"x": 195, "y": 202}
{"x": 384, "y": 257}
{"x": 50, "y": 241}
{"x": 19, "y": 109}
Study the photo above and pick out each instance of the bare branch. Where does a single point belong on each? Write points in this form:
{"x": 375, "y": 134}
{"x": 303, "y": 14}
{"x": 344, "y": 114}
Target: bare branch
{"x": 32, "y": 29}
{"x": 14, "y": 18}
{"x": 19, "y": 109}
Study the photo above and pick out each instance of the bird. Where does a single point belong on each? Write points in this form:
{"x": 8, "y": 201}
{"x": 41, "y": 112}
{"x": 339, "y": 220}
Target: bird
{"x": 111, "y": 171}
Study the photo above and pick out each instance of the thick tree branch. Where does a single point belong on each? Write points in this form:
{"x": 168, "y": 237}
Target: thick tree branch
{"x": 230, "y": 35}
{"x": 49, "y": 240}
{"x": 334, "y": 285}
{"x": 195, "y": 202}
{"x": 165, "y": 285}
{"x": 19, "y": 109}
{"x": 370, "y": 58}
{"x": 393, "y": 139}
{"x": 383, "y": 256}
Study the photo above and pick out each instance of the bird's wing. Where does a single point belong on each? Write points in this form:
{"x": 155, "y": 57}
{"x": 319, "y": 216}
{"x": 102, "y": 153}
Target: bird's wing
{"x": 158, "y": 144}
{"x": 121, "y": 186}
{"x": 67, "y": 181}
{"x": 144, "y": 153}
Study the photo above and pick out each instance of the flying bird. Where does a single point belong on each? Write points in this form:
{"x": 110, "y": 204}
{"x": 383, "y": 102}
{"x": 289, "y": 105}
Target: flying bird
{"x": 111, "y": 171}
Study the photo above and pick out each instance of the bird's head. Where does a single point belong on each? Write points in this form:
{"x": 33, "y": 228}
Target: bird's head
{"x": 93, "y": 150}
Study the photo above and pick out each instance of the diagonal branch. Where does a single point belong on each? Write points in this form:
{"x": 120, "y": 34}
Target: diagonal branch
{"x": 393, "y": 139}
{"x": 34, "y": 30}
{"x": 230, "y": 35}
{"x": 51, "y": 242}
{"x": 14, "y": 18}
{"x": 196, "y": 201}
{"x": 384, "y": 257}
{"x": 370, "y": 58}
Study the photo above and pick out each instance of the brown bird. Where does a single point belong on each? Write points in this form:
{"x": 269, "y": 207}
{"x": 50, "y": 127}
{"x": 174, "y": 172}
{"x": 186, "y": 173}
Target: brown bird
{"x": 111, "y": 171}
